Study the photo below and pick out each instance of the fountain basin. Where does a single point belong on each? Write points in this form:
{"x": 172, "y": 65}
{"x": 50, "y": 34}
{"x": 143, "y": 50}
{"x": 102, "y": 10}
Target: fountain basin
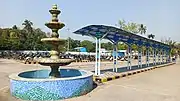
{"x": 36, "y": 84}
{"x": 54, "y": 62}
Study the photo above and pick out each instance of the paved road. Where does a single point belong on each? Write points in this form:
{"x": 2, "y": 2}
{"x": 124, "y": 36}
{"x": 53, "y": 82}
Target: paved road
{"x": 157, "y": 85}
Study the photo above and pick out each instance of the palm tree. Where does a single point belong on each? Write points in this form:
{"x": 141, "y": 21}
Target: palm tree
{"x": 28, "y": 26}
{"x": 151, "y": 36}
{"x": 14, "y": 27}
{"x": 142, "y": 29}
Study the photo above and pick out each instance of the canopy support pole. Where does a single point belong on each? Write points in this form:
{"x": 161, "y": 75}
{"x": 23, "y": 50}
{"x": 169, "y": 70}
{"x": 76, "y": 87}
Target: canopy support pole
{"x": 140, "y": 56}
{"x": 147, "y": 56}
{"x": 169, "y": 53}
{"x": 129, "y": 57}
{"x": 99, "y": 57}
{"x": 115, "y": 57}
{"x": 154, "y": 56}
{"x": 162, "y": 56}
{"x": 96, "y": 63}
{"x": 159, "y": 55}
{"x": 167, "y": 56}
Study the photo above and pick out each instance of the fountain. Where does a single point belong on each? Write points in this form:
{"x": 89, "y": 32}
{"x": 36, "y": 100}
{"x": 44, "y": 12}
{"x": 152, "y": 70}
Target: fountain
{"x": 53, "y": 83}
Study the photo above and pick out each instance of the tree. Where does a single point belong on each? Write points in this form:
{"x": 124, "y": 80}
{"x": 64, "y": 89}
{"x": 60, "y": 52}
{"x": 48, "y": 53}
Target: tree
{"x": 151, "y": 36}
{"x": 122, "y": 46}
{"x": 142, "y": 29}
{"x": 172, "y": 45}
{"x": 133, "y": 28}
{"x": 14, "y": 27}
{"x": 130, "y": 26}
{"x": 178, "y": 48}
{"x": 28, "y": 26}
{"x": 107, "y": 46}
{"x": 89, "y": 45}
{"x": 72, "y": 44}
{"x": 122, "y": 24}
{"x": 27, "y": 38}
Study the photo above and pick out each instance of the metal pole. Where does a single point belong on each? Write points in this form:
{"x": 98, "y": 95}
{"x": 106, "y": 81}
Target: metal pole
{"x": 169, "y": 55}
{"x": 141, "y": 57}
{"x": 159, "y": 54}
{"x": 147, "y": 56}
{"x": 114, "y": 66}
{"x": 162, "y": 56}
{"x": 99, "y": 62}
{"x": 96, "y": 63}
{"x": 138, "y": 57}
{"x": 166, "y": 56}
{"x": 115, "y": 58}
{"x": 155, "y": 55}
{"x": 130, "y": 56}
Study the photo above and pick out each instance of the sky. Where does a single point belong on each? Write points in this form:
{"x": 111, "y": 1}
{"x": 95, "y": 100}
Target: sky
{"x": 162, "y": 17}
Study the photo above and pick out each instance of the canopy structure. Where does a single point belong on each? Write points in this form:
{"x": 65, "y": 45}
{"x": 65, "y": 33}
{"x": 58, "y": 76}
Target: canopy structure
{"x": 116, "y": 35}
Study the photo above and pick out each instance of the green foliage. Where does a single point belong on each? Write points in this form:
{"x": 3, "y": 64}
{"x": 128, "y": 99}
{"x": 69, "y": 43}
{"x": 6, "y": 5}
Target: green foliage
{"x": 107, "y": 46}
{"x": 130, "y": 27}
{"x": 28, "y": 26}
{"x": 134, "y": 47}
{"x": 173, "y": 45}
{"x": 122, "y": 46}
{"x": 142, "y": 29}
{"x": 27, "y": 38}
{"x": 72, "y": 44}
{"x": 151, "y": 36}
{"x": 88, "y": 44}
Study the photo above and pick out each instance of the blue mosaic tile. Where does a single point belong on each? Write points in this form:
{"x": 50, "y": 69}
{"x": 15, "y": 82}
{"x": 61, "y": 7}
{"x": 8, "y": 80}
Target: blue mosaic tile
{"x": 50, "y": 90}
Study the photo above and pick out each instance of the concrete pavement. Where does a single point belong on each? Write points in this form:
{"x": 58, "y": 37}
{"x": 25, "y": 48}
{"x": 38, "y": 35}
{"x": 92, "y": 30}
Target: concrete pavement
{"x": 158, "y": 85}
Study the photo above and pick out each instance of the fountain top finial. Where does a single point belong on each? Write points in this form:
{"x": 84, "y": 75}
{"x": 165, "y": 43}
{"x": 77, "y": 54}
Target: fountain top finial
{"x": 55, "y": 10}
{"x": 54, "y": 24}
{"x": 54, "y": 6}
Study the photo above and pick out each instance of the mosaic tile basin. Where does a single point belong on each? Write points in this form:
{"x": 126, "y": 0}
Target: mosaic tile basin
{"x": 36, "y": 84}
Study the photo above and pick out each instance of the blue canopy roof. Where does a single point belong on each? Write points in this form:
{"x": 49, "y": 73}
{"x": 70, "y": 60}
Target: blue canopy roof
{"x": 118, "y": 35}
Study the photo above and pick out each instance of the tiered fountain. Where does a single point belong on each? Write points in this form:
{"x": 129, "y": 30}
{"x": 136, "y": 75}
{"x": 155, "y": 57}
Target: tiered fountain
{"x": 53, "y": 84}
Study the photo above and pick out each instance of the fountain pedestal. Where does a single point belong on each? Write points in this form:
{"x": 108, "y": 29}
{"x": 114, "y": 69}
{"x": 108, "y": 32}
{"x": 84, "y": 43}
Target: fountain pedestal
{"x": 54, "y": 72}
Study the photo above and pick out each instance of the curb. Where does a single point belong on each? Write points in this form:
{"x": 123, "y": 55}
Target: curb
{"x": 120, "y": 75}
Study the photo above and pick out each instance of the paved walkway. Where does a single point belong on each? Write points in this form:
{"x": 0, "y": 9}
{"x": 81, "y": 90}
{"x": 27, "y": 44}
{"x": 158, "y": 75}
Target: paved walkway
{"x": 157, "y": 85}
